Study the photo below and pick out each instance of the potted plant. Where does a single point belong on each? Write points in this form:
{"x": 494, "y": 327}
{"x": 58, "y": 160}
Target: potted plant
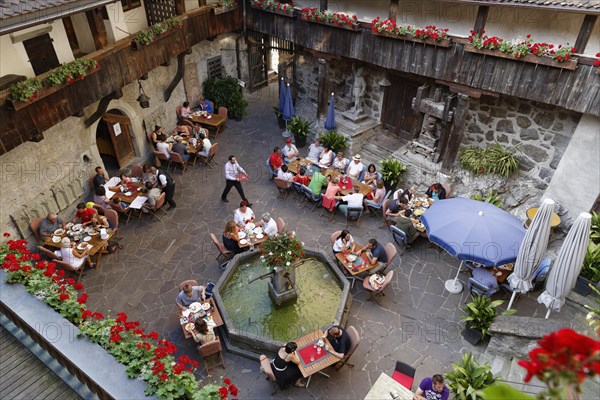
{"x": 300, "y": 128}
{"x": 491, "y": 197}
{"x": 590, "y": 270}
{"x": 335, "y": 140}
{"x": 391, "y": 172}
{"x": 279, "y": 117}
{"x": 223, "y": 6}
{"x": 467, "y": 377}
{"x": 226, "y": 92}
{"x": 481, "y": 313}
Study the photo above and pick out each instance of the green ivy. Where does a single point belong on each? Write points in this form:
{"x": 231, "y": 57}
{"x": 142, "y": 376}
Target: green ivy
{"x": 493, "y": 159}
{"x": 491, "y": 197}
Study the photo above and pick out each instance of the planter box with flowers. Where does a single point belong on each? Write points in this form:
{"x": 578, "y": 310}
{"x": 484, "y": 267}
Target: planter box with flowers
{"x": 337, "y": 20}
{"x": 224, "y": 6}
{"x": 143, "y": 356}
{"x": 431, "y": 34}
{"x": 155, "y": 32}
{"x": 273, "y": 6}
{"x": 31, "y": 90}
{"x": 597, "y": 63}
{"x": 528, "y": 51}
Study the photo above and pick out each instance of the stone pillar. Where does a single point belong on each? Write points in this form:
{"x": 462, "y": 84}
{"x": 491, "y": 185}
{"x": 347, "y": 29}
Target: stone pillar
{"x": 576, "y": 182}
{"x": 282, "y": 287}
{"x": 323, "y": 89}
{"x": 191, "y": 83}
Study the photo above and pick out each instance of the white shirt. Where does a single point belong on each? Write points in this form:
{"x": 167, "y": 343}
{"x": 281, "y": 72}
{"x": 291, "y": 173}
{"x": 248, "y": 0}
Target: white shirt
{"x": 232, "y": 170}
{"x": 355, "y": 169}
{"x": 339, "y": 243}
{"x": 185, "y": 112}
{"x": 241, "y": 218}
{"x": 163, "y": 147}
{"x": 326, "y": 159}
{"x": 161, "y": 179}
{"x": 354, "y": 199}
{"x": 206, "y": 145}
{"x": 66, "y": 253}
{"x": 289, "y": 149}
{"x": 314, "y": 152}
{"x": 340, "y": 164}
{"x": 270, "y": 227}
{"x": 286, "y": 176}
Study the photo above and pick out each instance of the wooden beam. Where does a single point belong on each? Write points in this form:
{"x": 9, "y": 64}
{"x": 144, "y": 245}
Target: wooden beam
{"x": 70, "y": 30}
{"x": 323, "y": 92}
{"x": 177, "y": 78}
{"x": 102, "y": 107}
{"x": 97, "y": 27}
{"x": 460, "y": 113}
{"x": 587, "y": 26}
{"x": 180, "y": 7}
{"x": 393, "y": 10}
{"x": 323, "y": 5}
{"x": 482, "y": 15}
{"x": 201, "y": 3}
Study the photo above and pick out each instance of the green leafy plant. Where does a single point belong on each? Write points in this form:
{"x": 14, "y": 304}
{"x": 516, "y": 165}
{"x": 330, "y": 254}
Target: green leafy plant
{"x": 595, "y": 229}
{"x": 70, "y": 72}
{"x": 281, "y": 250}
{"x": 150, "y": 34}
{"x": 26, "y": 90}
{"x": 226, "y": 3}
{"x": 590, "y": 269}
{"x": 593, "y": 315}
{"x": 145, "y": 37}
{"x": 481, "y": 313}
{"x": 493, "y": 159}
{"x": 501, "y": 390}
{"x": 225, "y": 92}
{"x": 328, "y": 17}
{"x": 276, "y": 111}
{"x": 299, "y": 126}
{"x": 219, "y": 392}
{"x": 391, "y": 170}
{"x": 467, "y": 377}
{"x": 490, "y": 197}
{"x": 272, "y": 5}
{"x": 335, "y": 140}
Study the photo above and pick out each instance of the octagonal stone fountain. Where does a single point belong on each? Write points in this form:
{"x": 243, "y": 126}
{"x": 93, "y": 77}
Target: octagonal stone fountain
{"x": 253, "y": 320}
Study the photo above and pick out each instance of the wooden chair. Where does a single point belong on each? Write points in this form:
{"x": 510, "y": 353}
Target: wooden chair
{"x": 137, "y": 171}
{"x": 121, "y": 211}
{"x": 379, "y": 207}
{"x": 334, "y": 236}
{"x": 78, "y": 272}
{"x": 100, "y": 209}
{"x": 223, "y": 251}
{"x": 209, "y": 349}
{"x": 223, "y": 111}
{"x": 376, "y": 294}
{"x": 404, "y": 374}
{"x": 354, "y": 342}
{"x": 190, "y": 282}
{"x": 330, "y": 205}
{"x": 265, "y": 368}
{"x": 178, "y": 112}
{"x": 178, "y": 160}
{"x": 282, "y": 187}
{"x": 209, "y": 161}
{"x": 160, "y": 156}
{"x": 113, "y": 219}
{"x": 35, "y": 228}
{"x": 158, "y": 206}
{"x": 280, "y": 224}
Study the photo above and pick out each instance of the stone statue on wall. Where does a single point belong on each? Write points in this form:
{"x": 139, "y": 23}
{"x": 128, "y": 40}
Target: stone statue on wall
{"x": 359, "y": 87}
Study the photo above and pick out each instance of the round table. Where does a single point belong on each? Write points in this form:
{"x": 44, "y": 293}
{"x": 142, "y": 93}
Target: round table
{"x": 554, "y": 222}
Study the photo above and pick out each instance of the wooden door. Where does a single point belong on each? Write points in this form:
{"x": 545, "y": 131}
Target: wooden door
{"x": 397, "y": 113}
{"x": 119, "y": 129}
{"x": 257, "y": 60}
{"x": 40, "y": 51}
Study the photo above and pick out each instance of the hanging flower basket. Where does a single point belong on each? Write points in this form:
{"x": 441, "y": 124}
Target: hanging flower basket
{"x": 570, "y": 64}
{"x": 222, "y": 9}
{"x": 431, "y": 35}
{"x": 274, "y": 7}
{"x": 336, "y": 20}
{"x": 439, "y": 43}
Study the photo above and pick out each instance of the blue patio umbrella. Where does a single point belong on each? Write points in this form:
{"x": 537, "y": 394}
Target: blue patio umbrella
{"x": 288, "y": 110}
{"x": 282, "y": 95}
{"x": 330, "y": 121}
{"x": 472, "y": 230}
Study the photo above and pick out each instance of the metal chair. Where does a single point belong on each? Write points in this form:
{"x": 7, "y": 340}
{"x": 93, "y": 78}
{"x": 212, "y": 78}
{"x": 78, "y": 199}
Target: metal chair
{"x": 376, "y": 294}
{"x": 400, "y": 237}
{"x": 209, "y": 349}
{"x": 384, "y": 208}
{"x": 315, "y": 199}
{"x": 271, "y": 170}
{"x": 354, "y": 342}
{"x": 477, "y": 287}
{"x": 390, "y": 252}
{"x": 539, "y": 276}
{"x": 354, "y": 213}
{"x": 377, "y": 208}
{"x": 404, "y": 374}
{"x": 223, "y": 251}
{"x": 283, "y": 187}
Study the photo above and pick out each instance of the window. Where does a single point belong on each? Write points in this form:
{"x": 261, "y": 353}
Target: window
{"x": 130, "y": 4}
{"x": 215, "y": 67}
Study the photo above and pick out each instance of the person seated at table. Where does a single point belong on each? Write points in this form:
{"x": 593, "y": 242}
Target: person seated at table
{"x": 289, "y": 151}
{"x": 436, "y": 192}
{"x": 396, "y": 206}
{"x": 100, "y": 197}
{"x": 151, "y": 194}
{"x": 275, "y": 160}
{"x": 370, "y": 177}
{"x": 339, "y": 340}
{"x": 231, "y": 238}
{"x": 407, "y": 194}
{"x": 405, "y": 225}
{"x": 286, "y": 175}
{"x": 118, "y": 205}
{"x": 377, "y": 197}
{"x": 302, "y": 178}
{"x": 51, "y": 223}
{"x": 185, "y": 110}
{"x": 375, "y": 252}
{"x": 83, "y": 215}
{"x": 99, "y": 222}
{"x": 191, "y": 294}
{"x": 205, "y": 105}
{"x": 353, "y": 200}
{"x": 163, "y": 146}
{"x": 355, "y": 168}
{"x": 148, "y": 176}
{"x": 285, "y": 367}
{"x": 314, "y": 151}
{"x": 181, "y": 148}
{"x": 344, "y": 243}
{"x": 154, "y": 135}
{"x": 268, "y": 224}
{"x": 340, "y": 163}
{"x": 69, "y": 254}
{"x": 181, "y": 129}
{"x": 333, "y": 188}
{"x": 432, "y": 388}
{"x": 206, "y": 145}
{"x": 243, "y": 215}
{"x": 326, "y": 157}
{"x": 100, "y": 178}
{"x": 197, "y": 130}
{"x": 317, "y": 182}
{"x": 203, "y": 333}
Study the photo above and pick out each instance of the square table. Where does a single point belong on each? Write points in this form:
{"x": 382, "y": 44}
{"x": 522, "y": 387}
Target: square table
{"x": 362, "y": 266}
{"x": 215, "y": 121}
{"x": 385, "y": 386}
{"x": 215, "y": 314}
{"x": 325, "y": 359}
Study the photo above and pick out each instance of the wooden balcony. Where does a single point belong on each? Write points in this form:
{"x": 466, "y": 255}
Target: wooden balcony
{"x": 120, "y": 64}
{"x": 577, "y": 90}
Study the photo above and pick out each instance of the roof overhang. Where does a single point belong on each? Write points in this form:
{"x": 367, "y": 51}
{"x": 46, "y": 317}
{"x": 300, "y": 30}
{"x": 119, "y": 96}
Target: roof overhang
{"x": 48, "y": 14}
{"x": 550, "y": 5}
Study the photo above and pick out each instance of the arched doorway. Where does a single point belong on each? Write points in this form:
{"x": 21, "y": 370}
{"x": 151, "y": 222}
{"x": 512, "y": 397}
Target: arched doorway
{"x": 114, "y": 140}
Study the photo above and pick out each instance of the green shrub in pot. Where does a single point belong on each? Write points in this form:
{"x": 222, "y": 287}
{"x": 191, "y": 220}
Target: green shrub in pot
{"x": 467, "y": 377}
{"x": 335, "y": 140}
{"x": 226, "y": 92}
{"x": 300, "y": 128}
{"x": 391, "y": 172}
{"x": 481, "y": 313}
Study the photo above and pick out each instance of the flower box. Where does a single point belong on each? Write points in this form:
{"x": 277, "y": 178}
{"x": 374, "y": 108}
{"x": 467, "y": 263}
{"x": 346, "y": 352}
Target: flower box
{"x": 570, "y": 64}
{"x": 45, "y": 91}
{"x": 223, "y": 9}
{"x": 275, "y": 11}
{"x": 136, "y": 44}
{"x": 429, "y": 41}
{"x": 354, "y": 28}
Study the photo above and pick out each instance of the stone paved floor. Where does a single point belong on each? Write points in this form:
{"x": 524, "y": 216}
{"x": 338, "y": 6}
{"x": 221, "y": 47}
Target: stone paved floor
{"x": 418, "y": 323}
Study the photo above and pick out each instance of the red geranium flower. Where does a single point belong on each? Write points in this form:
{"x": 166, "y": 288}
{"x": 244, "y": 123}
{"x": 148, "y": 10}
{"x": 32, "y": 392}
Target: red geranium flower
{"x": 121, "y": 317}
{"x": 227, "y": 381}
{"x": 6, "y": 234}
{"x": 223, "y": 392}
{"x": 83, "y": 298}
{"x": 78, "y": 286}
{"x": 35, "y": 256}
{"x": 63, "y": 297}
{"x": 233, "y": 390}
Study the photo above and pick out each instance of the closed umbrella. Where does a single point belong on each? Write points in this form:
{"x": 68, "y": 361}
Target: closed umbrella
{"x": 282, "y": 96}
{"x": 563, "y": 274}
{"x": 330, "y": 121}
{"x": 472, "y": 230}
{"x": 531, "y": 251}
{"x": 288, "y": 109}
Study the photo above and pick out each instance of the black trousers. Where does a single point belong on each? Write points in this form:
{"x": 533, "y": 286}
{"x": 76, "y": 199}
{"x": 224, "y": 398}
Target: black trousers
{"x": 238, "y": 186}
{"x": 169, "y": 193}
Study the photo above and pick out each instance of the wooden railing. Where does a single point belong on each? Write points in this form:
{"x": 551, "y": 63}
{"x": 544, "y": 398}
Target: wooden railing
{"x": 577, "y": 90}
{"x": 120, "y": 65}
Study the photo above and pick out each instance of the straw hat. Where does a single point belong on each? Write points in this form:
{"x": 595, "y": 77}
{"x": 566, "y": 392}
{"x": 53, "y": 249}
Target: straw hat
{"x": 356, "y": 157}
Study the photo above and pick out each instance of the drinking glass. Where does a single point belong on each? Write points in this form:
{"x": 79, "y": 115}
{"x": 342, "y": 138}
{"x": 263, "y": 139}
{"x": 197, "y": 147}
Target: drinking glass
{"x": 312, "y": 357}
{"x": 318, "y": 350}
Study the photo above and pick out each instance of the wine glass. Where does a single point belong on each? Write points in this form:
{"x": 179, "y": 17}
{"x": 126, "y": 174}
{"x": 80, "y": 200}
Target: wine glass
{"x": 312, "y": 357}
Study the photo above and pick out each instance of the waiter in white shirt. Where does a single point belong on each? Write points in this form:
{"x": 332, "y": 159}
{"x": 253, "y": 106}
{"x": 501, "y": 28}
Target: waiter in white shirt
{"x": 232, "y": 179}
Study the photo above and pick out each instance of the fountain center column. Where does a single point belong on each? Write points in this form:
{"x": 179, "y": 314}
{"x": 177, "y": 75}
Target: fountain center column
{"x": 282, "y": 287}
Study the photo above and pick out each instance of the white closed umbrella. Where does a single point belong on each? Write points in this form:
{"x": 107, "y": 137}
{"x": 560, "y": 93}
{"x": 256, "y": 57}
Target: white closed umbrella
{"x": 563, "y": 274}
{"x": 531, "y": 251}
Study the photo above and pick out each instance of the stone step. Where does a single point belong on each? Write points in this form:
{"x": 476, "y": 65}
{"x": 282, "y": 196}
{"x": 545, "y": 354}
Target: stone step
{"x": 373, "y": 153}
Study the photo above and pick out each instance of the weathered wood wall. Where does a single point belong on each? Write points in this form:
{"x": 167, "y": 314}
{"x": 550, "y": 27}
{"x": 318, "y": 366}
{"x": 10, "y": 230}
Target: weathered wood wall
{"x": 120, "y": 65}
{"x": 577, "y": 90}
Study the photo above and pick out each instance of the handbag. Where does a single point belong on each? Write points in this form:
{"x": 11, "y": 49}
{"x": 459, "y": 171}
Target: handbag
{"x": 242, "y": 177}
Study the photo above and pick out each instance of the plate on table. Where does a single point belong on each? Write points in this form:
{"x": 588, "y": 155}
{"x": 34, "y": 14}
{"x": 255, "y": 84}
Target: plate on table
{"x": 257, "y": 231}
{"x": 56, "y": 239}
{"x": 250, "y": 226}
{"x": 419, "y": 225}
{"x": 351, "y": 257}
{"x": 242, "y": 235}
{"x": 206, "y": 306}
{"x": 419, "y": 211}
{"x": 189, "y": 327}
{"x": 87, "y": 229}
{"x": 59, "y": 232}
{"x": 81, "y": 246}
{"x": 186, "y": 313}
{"x": 260, "y": 236}
{"x": 195, "y": 307}
{"x": 127, "y": 193}
{"x": 93, "y": 232}
{"x": 69, "y": 225}
{"x": 76, "y": 227}
{"x": 243, "y": 241}
{"x": 87, "y": 238}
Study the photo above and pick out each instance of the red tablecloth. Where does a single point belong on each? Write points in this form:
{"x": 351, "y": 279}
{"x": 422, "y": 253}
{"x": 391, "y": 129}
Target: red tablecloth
{"x": 347, "y": 185}
{"x": 308, "y": 350}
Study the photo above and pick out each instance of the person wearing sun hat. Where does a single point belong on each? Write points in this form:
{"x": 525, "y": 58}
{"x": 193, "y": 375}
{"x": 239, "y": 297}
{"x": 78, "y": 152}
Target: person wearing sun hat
{"x": 289, "y": 151}
{"x": 356, "y": 167}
